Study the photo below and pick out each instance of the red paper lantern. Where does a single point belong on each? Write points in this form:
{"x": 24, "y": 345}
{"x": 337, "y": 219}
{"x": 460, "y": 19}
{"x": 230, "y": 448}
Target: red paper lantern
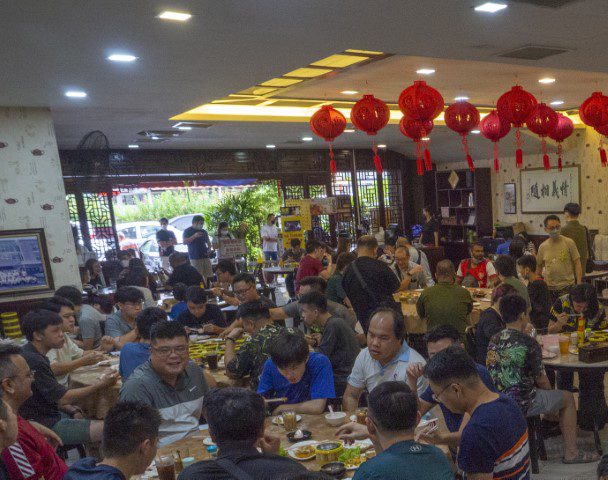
{"x": 541, "y": 122}
{"x": 603, "y": 131}
{"x": 462, "y": 117}
{"x": 516, "y": 106}
{"x": 371, "y": 115}
{"x": 562, "y": 130}
{"x": 493, "y": 127}
{"x": 328, "y": 123}
{"x": 421, "y": 102}
{"x": 417, "y": 130}
{"x": 594, "y": 110}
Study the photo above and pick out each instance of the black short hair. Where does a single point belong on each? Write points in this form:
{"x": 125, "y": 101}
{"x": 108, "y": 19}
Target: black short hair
{"x": 198, "y": 218}
{"x": 89, "y": 264}
{"x": 295, "y": 242}
{"x": 511, "y": 306}
{"x": 505, "y": 266}
{"x": 312, "y": 245}
{"x": 450, "y": 365}
{"x": 550, "y": 217}
{"x": 318, "y": 284}
{"x": 167, "y": 330}
{"x": 442, "y": 331}
{"x": 37, "y": 321}
{"x": 55, "y": 303}
{"x": 243, "y": 277}
{"x": 196, "y": 295}
{"x": 128, "y": 294}
{"x": 135, "y": 276}
{"x": 573, "y": 209}
{"x": 517, "y": 247}
{"x": 179, "y": 291}
{"x": 398, "y": 320}
{"x": 163, "y": 220}
{"x": 527, "y": 261}
{"x": 344, "y": 260}
{"x": 392, "y": 406}
{"x": 316, "y": 299}
{"x": 289, "y": 348}
{"x": 226, "y": 265}
{"x": 235, "y": 415}
{"x": 270, "y": 215}
{"x": 7, "y": 367}
{"x": 255, "y": 309}
{"x": 477, "y": 244}
{"x": 126, "y": 426}
{"x": 602, "y": 466}
{"x": 367, "y": 241}
{"x": 71, "y": 293}
{"x": 586, "y": 292}
{"x": 148, "y": 317}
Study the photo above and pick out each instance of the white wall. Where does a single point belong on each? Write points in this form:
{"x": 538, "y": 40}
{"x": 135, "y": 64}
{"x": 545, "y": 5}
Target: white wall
{"x": 30, "y": 180}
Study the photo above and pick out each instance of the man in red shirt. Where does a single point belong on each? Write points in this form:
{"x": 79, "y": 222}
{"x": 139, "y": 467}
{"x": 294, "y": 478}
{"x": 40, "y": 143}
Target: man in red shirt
{"x": 476, "y": 271}
{"x": 311, "y": 264}
{"x": 31, "y": 456}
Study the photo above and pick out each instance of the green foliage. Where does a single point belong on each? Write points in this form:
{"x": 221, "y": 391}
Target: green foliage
{"x": 171, "y": 203}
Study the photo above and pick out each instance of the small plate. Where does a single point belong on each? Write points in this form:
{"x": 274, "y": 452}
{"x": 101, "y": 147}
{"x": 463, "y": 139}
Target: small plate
{"x": 292, "y": 449}
{"x": 278, "y": 420}
{"x": 548, "y": 355}
{"x": 208, "y": 441}
{"x": 424, "y": 423}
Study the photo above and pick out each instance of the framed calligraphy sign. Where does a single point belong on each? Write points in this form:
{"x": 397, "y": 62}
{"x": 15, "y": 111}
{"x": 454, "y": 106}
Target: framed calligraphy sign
{"x": 545, "y": 191}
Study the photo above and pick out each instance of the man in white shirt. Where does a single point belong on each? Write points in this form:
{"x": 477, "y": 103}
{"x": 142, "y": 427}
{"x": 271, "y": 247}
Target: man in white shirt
{"x": 386, "y": 357}
{"x": 270, "y": 239}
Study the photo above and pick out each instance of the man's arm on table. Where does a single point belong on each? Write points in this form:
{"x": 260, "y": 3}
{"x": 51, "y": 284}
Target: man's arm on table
{"x": 121, "y": 341}
{"x": 89, "y": 358}
{"x": 310, "y": 407}
{"x": 73, "y": 395}
{"x": 350, "y": 400}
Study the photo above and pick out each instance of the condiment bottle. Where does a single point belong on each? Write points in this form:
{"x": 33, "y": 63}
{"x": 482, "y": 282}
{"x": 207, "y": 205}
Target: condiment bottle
{"x": 581, "y": 330}
{"x": 212, "y": 452}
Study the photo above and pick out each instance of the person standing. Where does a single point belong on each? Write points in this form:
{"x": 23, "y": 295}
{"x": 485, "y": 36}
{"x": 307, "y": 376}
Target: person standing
{"x": 576, "y": 232}
{"x": 166, "y": 242}
{"x": 292, "y": 255}
{"x": 223, "y": 233}
{"x": 558, "y": 260}
{"x": 476, "y": 271}
{"x": 199, "y": 246}
{"x": 538, "y": 291}
{"x": 311, "y": 264}
{"x": 430, "y": 229}
{"x": 270, "y": 239}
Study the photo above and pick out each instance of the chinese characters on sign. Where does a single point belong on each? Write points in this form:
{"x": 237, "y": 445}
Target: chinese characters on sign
{"x": 547, "y": 192}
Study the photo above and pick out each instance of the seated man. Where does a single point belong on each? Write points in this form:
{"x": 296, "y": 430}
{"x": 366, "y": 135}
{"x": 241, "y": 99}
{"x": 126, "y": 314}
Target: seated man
{"x": 8, "y": 434}
{"x": 515, "y": 363}
{"x": 386, "y": 357}
{"x": 31, "y": 456}
{"x": 304, "y": 379}
{"x": 244, "y": 288}
{"x": 445, "y": 302}
{"x": 410, "y": 275}
{"x": 418, "y": 257}
{"x": 89, "y": 319}
{"x": 42, "y": 328}
{"x": 169, "y": 382}
{"x": 494, "y": 442}
{"x": 201, "y": 317}
{"x": 120, "y": 325}
{"x": 438, "y": 339}
{"x": 132, "y": 355}
{"x": 392, "y": 416}
{"x": 179, "y": 294}
{"x": 249, "y": 360}
{"x": 476, "y": 271}
{"x": 337, "y": 341}
{"x": 292, "y": 255}
{"x": 129, "y": 442}
{"x": 538, "y": 291}
{"x": 236, "y": 419}
{"x": 183, "y": 272}
{"x": 506, "y": 269}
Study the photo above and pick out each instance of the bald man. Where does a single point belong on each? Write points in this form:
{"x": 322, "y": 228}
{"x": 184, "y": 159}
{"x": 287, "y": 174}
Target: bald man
{"x": 445, "y": 303}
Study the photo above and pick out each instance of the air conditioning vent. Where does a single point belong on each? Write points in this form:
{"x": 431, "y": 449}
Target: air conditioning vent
{"x": 547, "y": 3}
{"x": 533, "y": 52}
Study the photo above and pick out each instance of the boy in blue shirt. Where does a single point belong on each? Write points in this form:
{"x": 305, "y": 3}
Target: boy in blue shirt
{"x": 305, "y": 379}
{"x": 179, "y": 293}
{"x": 134, "y": 354}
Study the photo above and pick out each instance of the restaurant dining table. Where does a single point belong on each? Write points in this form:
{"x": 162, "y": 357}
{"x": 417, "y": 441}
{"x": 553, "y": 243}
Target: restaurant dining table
{"x": 279, "y": 270}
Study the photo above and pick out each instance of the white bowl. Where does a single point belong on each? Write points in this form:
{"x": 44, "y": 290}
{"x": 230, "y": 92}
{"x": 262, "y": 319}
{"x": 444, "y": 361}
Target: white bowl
{"x": 335, "y": 419}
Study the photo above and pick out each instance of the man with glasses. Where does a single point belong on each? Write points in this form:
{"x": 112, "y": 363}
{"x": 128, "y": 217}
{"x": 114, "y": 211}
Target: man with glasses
{"x": 120, "y": 325}
{"x": 31, "y": 454}
{"x": 243, "y": 286}
{"x": 170, "y": 382}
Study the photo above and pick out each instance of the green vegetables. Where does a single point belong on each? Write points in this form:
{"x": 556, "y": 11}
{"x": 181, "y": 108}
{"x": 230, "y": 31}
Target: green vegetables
{"x": 349, "y": 453}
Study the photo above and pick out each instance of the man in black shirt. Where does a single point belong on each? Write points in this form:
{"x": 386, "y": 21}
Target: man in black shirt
{"x": 199, "y": 245}
{"x": 236, "y": 424}
{"x": 183, "y": 272}
{"x": 166, "y": 242}
{"x": 368, "y": 282}
{"x": 201, "y": 316}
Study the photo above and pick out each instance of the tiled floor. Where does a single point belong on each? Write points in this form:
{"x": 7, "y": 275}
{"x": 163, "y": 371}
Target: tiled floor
{"x": 554, "y": 469}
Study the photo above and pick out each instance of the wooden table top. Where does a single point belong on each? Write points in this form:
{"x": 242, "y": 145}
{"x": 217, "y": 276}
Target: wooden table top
{"x": 571, "y": 361}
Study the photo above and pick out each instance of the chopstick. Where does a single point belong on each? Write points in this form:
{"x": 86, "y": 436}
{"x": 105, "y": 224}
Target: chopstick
{"x": 276, "y": 400}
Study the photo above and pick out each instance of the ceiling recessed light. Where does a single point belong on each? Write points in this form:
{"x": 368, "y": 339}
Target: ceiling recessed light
{"x": 349, "y": 92}
{"x": 349, "y": 130}
{"x": 491, "y": 7}
{"x": 177, "y": 16}
{"x": 134, "y": 145}
{"x": 425, "y": 71}
{"x": 75, "y": 94}
{"x": 547, "y": 80}
{"x": 307, "y": 139}
{"x": 184, "y": 128}
{"x": 557, "y": 102}
{"x": 475, "y": 132}
{"x": 122, "y": 58}
{"x": 461, "y": 99}
{"x": 271, "y": 146}
{"x": 154, "y": 138}
{"x": 382, "y": 145}
{"x": 425, "y": 139}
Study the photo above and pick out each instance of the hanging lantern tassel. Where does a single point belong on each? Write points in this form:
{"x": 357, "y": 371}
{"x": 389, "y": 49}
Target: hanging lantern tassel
{"x": 377, "y": 161}
{"x": 546, "y": 162}
{"x": 419, "y": 165}
{"x": 465, "y": 145}
{"x": 332, "y": 161}
{"x": 559, "y": 156}
{"x": 428, "y": 165}
{"x": 496, "y": 165}
{"x": 519, "y": 154}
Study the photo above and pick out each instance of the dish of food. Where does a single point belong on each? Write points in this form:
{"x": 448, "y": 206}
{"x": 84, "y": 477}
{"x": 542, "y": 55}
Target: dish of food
{"x": 352, "y": 457}
{"x": 303, "y": 450}
{"x": 278, "y": 420}
{"x": 208, "y": 441}
{"x": 547, "y": 355}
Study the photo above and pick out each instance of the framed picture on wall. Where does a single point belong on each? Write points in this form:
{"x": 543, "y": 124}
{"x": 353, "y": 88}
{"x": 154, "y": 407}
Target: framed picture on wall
{"x": 24, "y": 263}
{"x": 545, "y": 191}
{"x": 510, "y": 198}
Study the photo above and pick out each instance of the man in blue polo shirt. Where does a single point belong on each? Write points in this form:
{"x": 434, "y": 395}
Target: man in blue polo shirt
{"x": 305, "y": 379}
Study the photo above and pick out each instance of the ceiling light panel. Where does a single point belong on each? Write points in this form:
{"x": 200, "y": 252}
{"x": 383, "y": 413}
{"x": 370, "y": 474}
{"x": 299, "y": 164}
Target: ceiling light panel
{"x": 339, "y": 61}
{"x": 425, "y": 71}
{"x": 547, "y": 80}
{"x": 308, "y": 72}
{"x": 175, "y": 16}
{"x": 281, "y": 82}
{"x": 349, "y": 92}
{"x": 75, "y": 94}
{"x": 491, "y": 7}
{"x": 122, "y": 58}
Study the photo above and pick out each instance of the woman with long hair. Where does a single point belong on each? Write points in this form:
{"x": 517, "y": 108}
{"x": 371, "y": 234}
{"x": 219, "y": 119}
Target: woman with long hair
{"x": 430, "y": 229}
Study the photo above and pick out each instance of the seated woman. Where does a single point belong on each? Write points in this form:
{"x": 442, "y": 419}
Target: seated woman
{"x": 567, "y": 311}
{"x": 490, "y": 322}
{"x": 96, "y": 278}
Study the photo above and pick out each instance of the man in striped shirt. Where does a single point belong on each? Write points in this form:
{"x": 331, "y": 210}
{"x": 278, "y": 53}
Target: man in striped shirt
{"x": 494, "y": 443}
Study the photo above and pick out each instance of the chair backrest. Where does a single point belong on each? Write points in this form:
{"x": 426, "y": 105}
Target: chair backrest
{"x": 469, "y": 341}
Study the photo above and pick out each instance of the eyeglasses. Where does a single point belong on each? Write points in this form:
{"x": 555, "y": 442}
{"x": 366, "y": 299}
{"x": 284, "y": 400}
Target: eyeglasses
{"x": 242, "y": 292}
{"x": 166, "y": 351}
{"x": 436, "y": 398}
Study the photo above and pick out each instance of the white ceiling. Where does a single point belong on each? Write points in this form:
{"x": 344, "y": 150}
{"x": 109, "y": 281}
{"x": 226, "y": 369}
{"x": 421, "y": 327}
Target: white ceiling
{"x": 229, "y": 45}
